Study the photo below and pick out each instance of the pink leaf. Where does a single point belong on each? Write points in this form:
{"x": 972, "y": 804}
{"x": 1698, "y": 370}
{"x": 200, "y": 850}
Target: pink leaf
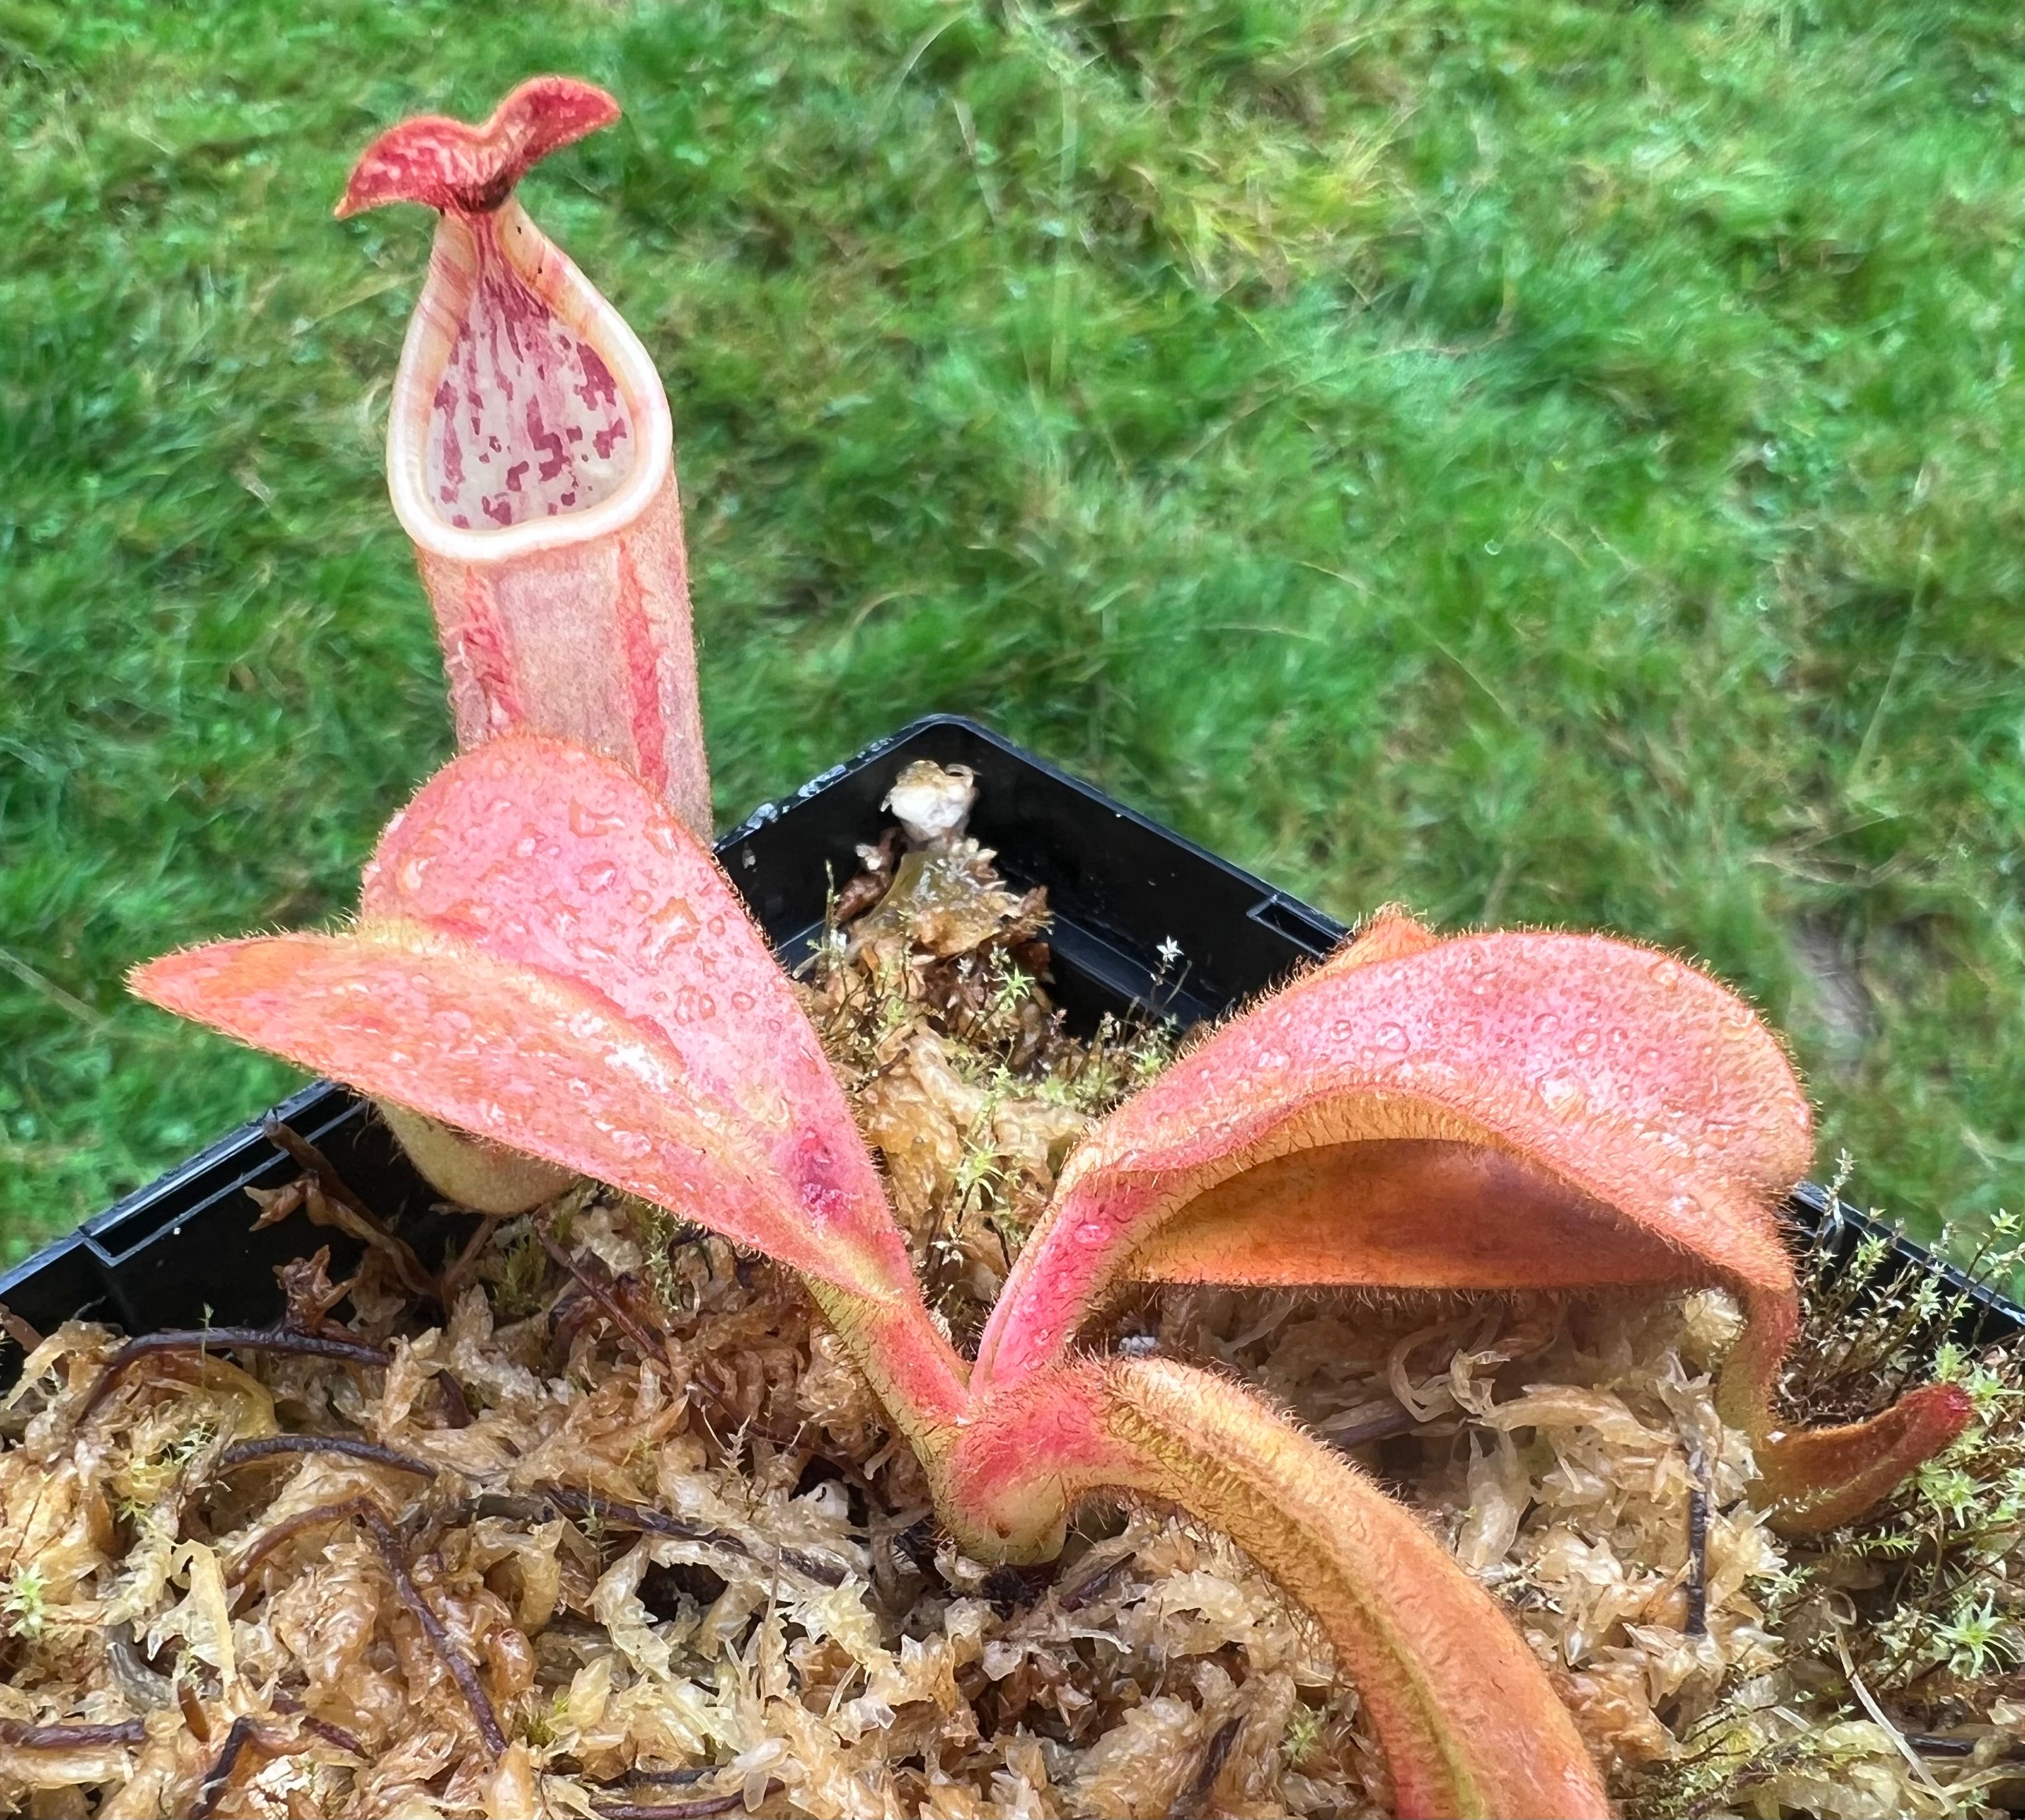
{"x": 1638, "y": 1116}
{"x": 547, "y": 959}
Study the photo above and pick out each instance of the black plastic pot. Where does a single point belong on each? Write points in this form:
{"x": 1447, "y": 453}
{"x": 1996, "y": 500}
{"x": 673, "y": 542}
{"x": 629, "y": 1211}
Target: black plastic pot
{"x": 1122, "y": 890}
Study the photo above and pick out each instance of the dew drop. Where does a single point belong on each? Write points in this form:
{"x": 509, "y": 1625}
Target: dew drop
{"x": 588, "y": 822}
{"x": 691, "y": 1005}
{"x": 1565, "y": 1097}
{"x": 1392, "y": 1036}
{"x": 673, "y": 922}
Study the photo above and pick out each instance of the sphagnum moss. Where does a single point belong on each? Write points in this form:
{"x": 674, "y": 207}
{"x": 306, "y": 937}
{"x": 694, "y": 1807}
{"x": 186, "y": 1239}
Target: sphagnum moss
{"x": 1583, "y": 441}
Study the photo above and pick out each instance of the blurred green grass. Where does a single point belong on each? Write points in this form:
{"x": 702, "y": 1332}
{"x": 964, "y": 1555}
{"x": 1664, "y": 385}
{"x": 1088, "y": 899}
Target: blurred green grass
{"x": 1541, "y": 461}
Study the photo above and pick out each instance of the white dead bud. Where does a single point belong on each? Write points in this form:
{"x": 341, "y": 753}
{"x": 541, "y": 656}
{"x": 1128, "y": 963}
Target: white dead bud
{"x": 933, "y": 805}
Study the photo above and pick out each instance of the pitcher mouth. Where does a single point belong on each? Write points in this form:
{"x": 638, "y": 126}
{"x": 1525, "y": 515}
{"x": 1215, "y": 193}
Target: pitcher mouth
{"x": 526, "y": 415}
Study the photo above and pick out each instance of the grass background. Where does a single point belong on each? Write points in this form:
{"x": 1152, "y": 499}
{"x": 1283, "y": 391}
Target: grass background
{"x": 1543, "y": 461}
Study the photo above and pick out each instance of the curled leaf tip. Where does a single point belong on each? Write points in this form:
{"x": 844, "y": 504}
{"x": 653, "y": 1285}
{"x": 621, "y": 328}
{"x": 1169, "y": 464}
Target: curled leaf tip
{"x": 1821, "y": 1478}
{"x": 1391, "y": 932}
{"x": 449, "y": 165}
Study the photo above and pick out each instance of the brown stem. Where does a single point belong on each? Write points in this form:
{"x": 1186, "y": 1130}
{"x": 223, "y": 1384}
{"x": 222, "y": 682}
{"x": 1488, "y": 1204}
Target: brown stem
{"x": 456, "y": 1405}
{"x": 460, "y": 1266}
{"x": 217, "y": 1778}
{"x": 349, "y": 1214}
{"x": 1193, "y": 1801}
{"x": 613, "y": 1310}
{"x": 334, "y": 1188}
{"x": 284, "y": 1701}
{"x": 272, "y": 1447}
{"x": 265, "y": 1544}
{"x": 461, "y": 1672}
{"x": 1697, "y": 1623}
{"x": 620, "y": 1515}
{"x": 333, "y": 1734}
{"x": 18, "y": 1737}
{"x": 191, "y": 1707}
{"x": 226, "y": 1340}
{"x": 675, "y": 1810}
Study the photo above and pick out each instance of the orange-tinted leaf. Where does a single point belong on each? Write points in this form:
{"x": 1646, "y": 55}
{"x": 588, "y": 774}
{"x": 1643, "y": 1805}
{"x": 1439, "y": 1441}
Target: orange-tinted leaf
{"x": 1411, "y": 1212}
{"x": 1607, "y": 1089}
{"x": 549, "y": 960}
{"x": 1468, "y": 1720}
{"x": 1821, "y": 1478}
{"x": 1488, "y": 1112}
